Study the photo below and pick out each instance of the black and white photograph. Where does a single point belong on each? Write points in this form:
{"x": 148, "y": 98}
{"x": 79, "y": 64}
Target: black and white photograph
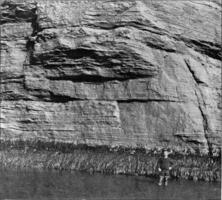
{"x": 110, "y": 99}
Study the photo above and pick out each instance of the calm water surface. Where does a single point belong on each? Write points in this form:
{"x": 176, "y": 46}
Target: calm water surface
{"x": 49, "y": 185}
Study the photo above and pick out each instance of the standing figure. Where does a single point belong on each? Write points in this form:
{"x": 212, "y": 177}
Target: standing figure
{"x": 164, "y": 166}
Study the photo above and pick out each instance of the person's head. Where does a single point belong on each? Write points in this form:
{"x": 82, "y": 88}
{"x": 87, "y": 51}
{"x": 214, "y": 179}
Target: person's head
{"x": 165, "y": 153}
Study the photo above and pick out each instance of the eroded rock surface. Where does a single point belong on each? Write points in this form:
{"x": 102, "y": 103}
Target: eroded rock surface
{"x": 137, "y": 74}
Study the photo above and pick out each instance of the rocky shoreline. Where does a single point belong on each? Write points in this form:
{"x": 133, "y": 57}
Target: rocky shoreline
{"x": 107, "y": 160}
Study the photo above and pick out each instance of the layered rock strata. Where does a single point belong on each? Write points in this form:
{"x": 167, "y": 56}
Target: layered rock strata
{"x": 130, "y": 74}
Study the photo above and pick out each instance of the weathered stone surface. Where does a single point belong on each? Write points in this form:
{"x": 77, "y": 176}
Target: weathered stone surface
{"x": 90, "y": 122}
{"x": 117, "y": 73}
{"x": 145, "y": 124}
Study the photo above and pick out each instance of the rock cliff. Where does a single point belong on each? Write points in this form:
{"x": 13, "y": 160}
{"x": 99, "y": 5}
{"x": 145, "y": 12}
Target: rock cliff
{"x": 137, "y": 74}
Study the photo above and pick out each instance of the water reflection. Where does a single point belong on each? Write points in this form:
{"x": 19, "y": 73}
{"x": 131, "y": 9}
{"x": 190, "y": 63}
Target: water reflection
{"x": 49, "y": 185}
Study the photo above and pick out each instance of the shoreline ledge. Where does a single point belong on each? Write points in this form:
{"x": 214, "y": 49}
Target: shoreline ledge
{"x": 107, "y": 160}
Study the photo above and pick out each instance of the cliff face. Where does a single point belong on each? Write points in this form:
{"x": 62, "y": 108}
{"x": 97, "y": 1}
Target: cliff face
{"x": 135, "y": 74}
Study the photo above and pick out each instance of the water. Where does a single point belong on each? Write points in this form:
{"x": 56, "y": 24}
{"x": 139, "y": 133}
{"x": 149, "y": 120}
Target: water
{"x": 48, "y": 185}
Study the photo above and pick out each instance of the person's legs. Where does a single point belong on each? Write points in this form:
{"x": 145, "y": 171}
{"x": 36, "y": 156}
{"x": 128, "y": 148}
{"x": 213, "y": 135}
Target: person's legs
{"x": 161, "y": 180}
{"x": 166, "y": 176}
{"x": 166, "y": 180}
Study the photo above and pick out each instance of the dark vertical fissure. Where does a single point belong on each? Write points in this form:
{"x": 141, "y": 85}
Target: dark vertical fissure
{"x": 30, "y": 44}
{"x": 199, "y": 99}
